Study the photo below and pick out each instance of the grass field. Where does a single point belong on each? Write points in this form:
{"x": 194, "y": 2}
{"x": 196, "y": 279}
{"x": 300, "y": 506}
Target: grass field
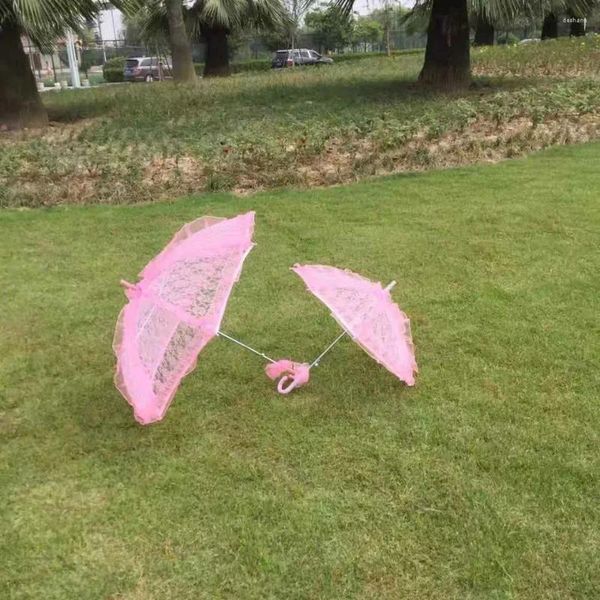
{"x": 125, "y": 144}
{"x": 481, "y": 482}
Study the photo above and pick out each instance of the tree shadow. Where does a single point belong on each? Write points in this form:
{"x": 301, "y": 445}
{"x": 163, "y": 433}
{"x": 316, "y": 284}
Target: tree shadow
{"x": 387, "y": 91}
{"x": 334, "y": 96}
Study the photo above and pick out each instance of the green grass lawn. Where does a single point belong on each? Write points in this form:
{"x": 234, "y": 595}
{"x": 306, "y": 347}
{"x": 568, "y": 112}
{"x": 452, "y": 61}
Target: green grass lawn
{"x": 305, "y": 127}
{"x": 480, "y": 482}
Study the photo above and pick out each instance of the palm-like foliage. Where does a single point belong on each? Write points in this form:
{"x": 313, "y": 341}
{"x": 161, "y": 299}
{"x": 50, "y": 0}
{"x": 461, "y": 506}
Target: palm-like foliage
{"x": 46, "y": 16}
{"x": 447, "y": 61}
{"x": 213, "y": 21}
{"x": 234, "y": 14}
{"x": 43, "y": 21}
{"x": 504, "y": 11}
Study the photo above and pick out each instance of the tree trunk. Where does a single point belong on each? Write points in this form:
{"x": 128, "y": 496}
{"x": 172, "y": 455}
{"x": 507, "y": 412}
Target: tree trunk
{"x": 216, "y": 63}
{"x": 20, "y": 102}
{"x": 447, "y": 59}
{"x": 550, "y": 27}
{"x": 388, "y": 48}
{"x": 181, "y": 50}
{"x": 577, "y": 25}
{"x": 484, "y": 31}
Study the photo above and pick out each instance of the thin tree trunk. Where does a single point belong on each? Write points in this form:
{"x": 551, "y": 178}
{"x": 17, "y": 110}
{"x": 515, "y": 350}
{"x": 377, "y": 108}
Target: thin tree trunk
{"x": 447, "y": 58}
{"x": 577, "y": 25}
{"x": 216, "y": 63}
{"x": 484, "y": 31}
{"x": 20, "y": 102}
{"x": 388, "y": 45}
{"x": 181, "y": 50}
{"x": 550, "y": 26}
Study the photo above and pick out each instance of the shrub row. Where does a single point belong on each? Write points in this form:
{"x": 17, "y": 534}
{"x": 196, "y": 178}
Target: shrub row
{"x": 263, "y": 64}
{"x": 113, "y": 69}
{"x": 352, "y": 56}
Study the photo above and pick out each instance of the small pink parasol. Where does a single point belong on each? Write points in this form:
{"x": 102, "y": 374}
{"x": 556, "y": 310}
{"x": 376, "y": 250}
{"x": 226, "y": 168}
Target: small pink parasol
{"x": 176, "y": 309}
{"x": 366, "y": 312}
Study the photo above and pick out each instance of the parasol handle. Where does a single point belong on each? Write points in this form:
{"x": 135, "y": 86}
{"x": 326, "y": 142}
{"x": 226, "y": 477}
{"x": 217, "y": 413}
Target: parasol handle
{"x": 291, "y": 375}
{"x": 281, "y": 385}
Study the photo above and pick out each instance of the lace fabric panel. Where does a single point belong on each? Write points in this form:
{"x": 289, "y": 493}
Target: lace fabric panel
{"x": 197, "y": 285}
{"x": 184, "y": 345}
{"x": 155, "y": 326}
{"x": 165, "y": 346}
{"x": 351, "y": 305}
{"x": 363, "y": 315}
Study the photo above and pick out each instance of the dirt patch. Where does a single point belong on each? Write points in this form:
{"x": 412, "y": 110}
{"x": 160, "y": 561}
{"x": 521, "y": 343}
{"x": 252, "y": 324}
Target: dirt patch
{"x": 63, "y": 173}
{"x": 54, "y": 133}
{"x": 183, "y": 171}
{"x": 481, "y": 142}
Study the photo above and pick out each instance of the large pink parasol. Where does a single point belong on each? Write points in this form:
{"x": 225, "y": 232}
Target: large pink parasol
{"x": 367, "y": 313}
{"x": 176, "y": 309}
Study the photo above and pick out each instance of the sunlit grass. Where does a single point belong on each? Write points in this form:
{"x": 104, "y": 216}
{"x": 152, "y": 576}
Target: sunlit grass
{"x": 480, "y": 482}
{"x": 560, "y": 58}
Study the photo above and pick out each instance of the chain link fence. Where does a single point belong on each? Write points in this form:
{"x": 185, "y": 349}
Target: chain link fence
{"x": 51, "y": 67}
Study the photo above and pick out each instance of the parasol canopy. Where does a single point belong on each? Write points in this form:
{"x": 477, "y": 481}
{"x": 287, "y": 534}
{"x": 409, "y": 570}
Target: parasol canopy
{"x": 176, "y": 309}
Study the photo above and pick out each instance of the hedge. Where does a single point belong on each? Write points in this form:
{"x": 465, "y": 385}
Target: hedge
{"x": 350, "y": 56}
{"x": 263, "y": 64}
{"x": 113, "y": 69}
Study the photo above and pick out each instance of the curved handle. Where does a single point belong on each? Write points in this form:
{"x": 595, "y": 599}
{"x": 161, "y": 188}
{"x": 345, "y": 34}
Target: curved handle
{"x": 286, "y": 390}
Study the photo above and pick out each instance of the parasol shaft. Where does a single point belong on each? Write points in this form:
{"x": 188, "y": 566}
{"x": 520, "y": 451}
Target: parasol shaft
{"x": 315, "y": 363}
{"x": 232, "y": 339}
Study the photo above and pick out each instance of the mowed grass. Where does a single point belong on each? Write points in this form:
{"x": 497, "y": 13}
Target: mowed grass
{"x": 480, "y": 482}
{"x": 305, "y": 127}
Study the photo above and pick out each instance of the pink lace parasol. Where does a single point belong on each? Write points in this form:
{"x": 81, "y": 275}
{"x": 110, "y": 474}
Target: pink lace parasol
{"x": 367, "y": 313}
{"x": 176, "y": 309}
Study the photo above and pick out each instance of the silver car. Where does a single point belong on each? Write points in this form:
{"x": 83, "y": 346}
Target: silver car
{"x": 146, "y": 68}
{"x": 298, "y": 57}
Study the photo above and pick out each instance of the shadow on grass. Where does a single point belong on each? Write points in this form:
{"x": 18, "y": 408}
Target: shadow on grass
{"x": 136, "y": 104}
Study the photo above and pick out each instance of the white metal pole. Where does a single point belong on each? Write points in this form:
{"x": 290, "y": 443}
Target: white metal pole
{"x": 232, "y": 339}
{"x": 315, "y": 363}
{"x": 101, "y": 38}
{"x": 72, "y": 56}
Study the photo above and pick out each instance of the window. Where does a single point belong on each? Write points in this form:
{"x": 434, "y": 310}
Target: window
{"x": 296, "y": 54}
{"x": 147, "y": 62}
{"x": 132, "y": 63}
{"x": 305, "y": 54}
{"x": 314, "y": 54}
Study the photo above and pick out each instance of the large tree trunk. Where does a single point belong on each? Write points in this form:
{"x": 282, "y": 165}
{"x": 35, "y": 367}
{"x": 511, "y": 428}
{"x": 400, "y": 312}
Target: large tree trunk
{"x": 447, "y": 59}
{"x": 181, "y": 50}
{"x": 484, "y": 31}
{"x": 216, "y": 63}
{"x": 577, "y": 25}
{"x": 550, "y": 26}
{"x": 20, "y": 102}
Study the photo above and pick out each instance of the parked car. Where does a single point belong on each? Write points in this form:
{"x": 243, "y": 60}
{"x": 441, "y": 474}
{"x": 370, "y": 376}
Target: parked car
{"x": 298, "y": 57}
{"x": 146, "y": 68}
